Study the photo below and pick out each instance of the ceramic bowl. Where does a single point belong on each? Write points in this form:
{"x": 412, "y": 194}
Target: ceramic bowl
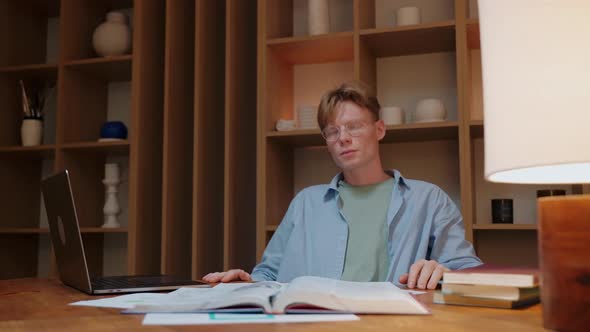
{"x": 430, "y": 109}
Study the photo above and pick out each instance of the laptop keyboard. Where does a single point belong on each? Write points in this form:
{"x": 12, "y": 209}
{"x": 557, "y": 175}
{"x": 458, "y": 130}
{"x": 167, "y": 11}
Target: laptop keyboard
{"x": 139, "y": 282}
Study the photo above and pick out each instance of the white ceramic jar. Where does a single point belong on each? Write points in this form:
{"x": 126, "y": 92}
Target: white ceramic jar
{"x": 430, "y": 109}
{"x": 112, "y": 37}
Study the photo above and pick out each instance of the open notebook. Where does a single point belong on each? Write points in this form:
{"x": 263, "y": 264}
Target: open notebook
{"x": 302, "y": 295}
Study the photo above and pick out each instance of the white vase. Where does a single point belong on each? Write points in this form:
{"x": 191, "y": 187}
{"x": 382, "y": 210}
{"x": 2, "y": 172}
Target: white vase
{"x": 111, "y": 207}
{"x": 318, "y": 18}
{"x": 31, "y": 132}
{"x": 112, "y": 37}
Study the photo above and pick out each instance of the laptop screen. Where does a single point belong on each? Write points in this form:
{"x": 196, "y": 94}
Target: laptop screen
{"x": 65, "y": 231}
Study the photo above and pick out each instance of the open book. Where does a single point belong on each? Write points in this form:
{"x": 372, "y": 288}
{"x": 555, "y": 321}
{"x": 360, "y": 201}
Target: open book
{"x": 302, "y": 295}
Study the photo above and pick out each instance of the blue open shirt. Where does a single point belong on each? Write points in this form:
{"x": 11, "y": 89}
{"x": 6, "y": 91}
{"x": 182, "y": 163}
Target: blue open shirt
{"x": 311, "y": 239}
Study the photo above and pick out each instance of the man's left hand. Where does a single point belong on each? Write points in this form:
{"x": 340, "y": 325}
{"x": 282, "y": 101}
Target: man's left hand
{"x": 423, "y": 274}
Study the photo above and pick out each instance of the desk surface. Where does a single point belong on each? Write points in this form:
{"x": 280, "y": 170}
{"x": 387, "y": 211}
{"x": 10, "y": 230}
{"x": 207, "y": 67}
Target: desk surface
{"x": 32, "y": 304}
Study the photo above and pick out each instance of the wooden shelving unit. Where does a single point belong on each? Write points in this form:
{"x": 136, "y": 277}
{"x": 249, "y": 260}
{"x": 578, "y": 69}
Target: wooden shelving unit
{"x": 201, "y": 132}
{"x": 189, "y": 162}
{"x": 392, "y": 60}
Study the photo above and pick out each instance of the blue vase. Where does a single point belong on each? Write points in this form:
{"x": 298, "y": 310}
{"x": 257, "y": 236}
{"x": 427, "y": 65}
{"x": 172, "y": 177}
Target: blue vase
{"x": 113, "y": 130}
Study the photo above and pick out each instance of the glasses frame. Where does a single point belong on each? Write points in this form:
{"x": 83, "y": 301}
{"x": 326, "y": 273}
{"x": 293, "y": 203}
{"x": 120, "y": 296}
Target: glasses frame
{"x": 345, "y": 127}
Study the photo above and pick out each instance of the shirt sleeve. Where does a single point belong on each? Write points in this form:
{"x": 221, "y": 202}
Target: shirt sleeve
{"x": 448, "y": 244}
{"x": 268, "y": 268}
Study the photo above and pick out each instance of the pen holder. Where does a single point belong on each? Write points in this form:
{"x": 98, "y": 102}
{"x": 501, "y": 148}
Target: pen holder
{"x": 31, "y": 131}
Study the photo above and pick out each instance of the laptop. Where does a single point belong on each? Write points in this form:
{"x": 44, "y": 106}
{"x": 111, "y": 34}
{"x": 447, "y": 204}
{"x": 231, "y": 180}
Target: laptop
{"x": 69, "y": 248}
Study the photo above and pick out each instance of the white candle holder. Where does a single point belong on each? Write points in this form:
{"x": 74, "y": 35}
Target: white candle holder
{"x": 111, "y": 208}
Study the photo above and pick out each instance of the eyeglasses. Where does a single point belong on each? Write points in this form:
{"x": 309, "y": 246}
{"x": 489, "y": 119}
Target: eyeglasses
{"x": 354, "y": 128}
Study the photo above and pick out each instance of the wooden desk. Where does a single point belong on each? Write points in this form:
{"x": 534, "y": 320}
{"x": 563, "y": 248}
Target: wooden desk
{"x": 34, "y": 304}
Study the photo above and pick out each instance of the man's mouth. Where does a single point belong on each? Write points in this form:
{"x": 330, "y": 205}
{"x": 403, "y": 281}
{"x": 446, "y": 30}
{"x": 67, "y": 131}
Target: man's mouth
{"x": 347, "y": 152}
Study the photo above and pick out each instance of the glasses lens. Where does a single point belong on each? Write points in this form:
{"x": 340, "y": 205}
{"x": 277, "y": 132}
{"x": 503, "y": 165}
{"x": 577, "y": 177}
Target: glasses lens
{"x": 331, "y": 133}
{"x": 355, "y": 128}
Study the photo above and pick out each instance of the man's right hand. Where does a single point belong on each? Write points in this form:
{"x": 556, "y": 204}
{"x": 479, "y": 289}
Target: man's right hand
{"x": 227, "y": 276}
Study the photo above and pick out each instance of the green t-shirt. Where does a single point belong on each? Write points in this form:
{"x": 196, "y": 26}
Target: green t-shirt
{"x": 365, "y": 209}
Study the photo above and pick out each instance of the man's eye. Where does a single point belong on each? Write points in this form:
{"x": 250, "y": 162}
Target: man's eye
{"x": 331, "y": 132}
{"x": 354, "y": 125}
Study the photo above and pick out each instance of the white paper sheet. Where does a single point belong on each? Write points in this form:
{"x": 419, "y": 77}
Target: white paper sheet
{"x": 219, "y": 318}
{"x": 179, "y": 296}
{"x": 124, "y": 301}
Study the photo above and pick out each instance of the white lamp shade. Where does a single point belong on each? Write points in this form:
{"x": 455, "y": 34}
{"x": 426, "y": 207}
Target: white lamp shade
{"x": 536, "y": 90}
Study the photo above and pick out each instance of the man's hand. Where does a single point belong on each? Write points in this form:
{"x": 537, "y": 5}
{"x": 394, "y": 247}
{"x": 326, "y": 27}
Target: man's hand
{"x": 423, "y": 274}
{"x": 231, "y": 275}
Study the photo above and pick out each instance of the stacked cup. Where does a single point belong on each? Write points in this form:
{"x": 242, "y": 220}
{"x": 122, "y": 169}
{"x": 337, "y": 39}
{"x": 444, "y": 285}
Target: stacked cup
{"x": 307, "y": 117}
{"x": 393, "y": 115}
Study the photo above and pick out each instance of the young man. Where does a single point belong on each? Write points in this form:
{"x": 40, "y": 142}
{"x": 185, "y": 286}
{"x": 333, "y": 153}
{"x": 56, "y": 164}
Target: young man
{"x": 367, "y": 224}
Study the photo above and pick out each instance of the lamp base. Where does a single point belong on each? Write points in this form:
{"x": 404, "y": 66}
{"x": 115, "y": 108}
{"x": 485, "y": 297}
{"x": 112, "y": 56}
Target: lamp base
{"x": 564, "y": 251}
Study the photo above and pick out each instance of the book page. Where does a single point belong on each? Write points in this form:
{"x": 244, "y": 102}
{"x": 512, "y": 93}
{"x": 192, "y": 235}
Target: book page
{"x": 244, "y": 295}
{"x": 346, "y": 296}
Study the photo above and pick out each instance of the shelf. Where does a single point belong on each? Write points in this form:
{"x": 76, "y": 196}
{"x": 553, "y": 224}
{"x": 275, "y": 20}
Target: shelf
{"x": 36, "y": 72}
{"x": 103, "y": 230}
{"x": 18, "y": 230}
{"x": 271, "y": 228}
{"x": 298, "y": 137}
{"x": 331, "y": 47}
{"x": 110, "y": 69}
{"x": 473, "y": 41}
{"x": 476, "y": 128}
{"x": 28, "y": 152}
{"x": 115, "y": 148}
{"x": 509, "y": 227}
{"x": 418, "y": 132}
{"x": 408, "y": 40}
{"x": 32, "y": 230}
{"x": 411, "y": 132}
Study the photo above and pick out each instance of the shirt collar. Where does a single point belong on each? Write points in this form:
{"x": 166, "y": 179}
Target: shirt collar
{"x": 397, "y": 179}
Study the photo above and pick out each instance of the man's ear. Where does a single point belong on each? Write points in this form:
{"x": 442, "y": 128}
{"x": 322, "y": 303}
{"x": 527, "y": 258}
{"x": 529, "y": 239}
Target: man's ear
{"x": 380, "y": 127}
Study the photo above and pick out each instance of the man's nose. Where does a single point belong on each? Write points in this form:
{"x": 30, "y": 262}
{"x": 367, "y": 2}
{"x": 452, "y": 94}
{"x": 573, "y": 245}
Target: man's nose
{"x": 344, "y": 136}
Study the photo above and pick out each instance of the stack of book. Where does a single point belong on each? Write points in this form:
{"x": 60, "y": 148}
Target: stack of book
{"x": 490, "y": 286}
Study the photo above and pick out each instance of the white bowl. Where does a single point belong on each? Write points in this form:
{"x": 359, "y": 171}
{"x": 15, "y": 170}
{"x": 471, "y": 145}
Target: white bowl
{"x": 430, "y": 109}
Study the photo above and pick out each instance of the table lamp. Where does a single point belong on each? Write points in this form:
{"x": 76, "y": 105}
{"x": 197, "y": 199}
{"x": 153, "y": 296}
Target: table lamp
{"x": 536, "y": 93}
